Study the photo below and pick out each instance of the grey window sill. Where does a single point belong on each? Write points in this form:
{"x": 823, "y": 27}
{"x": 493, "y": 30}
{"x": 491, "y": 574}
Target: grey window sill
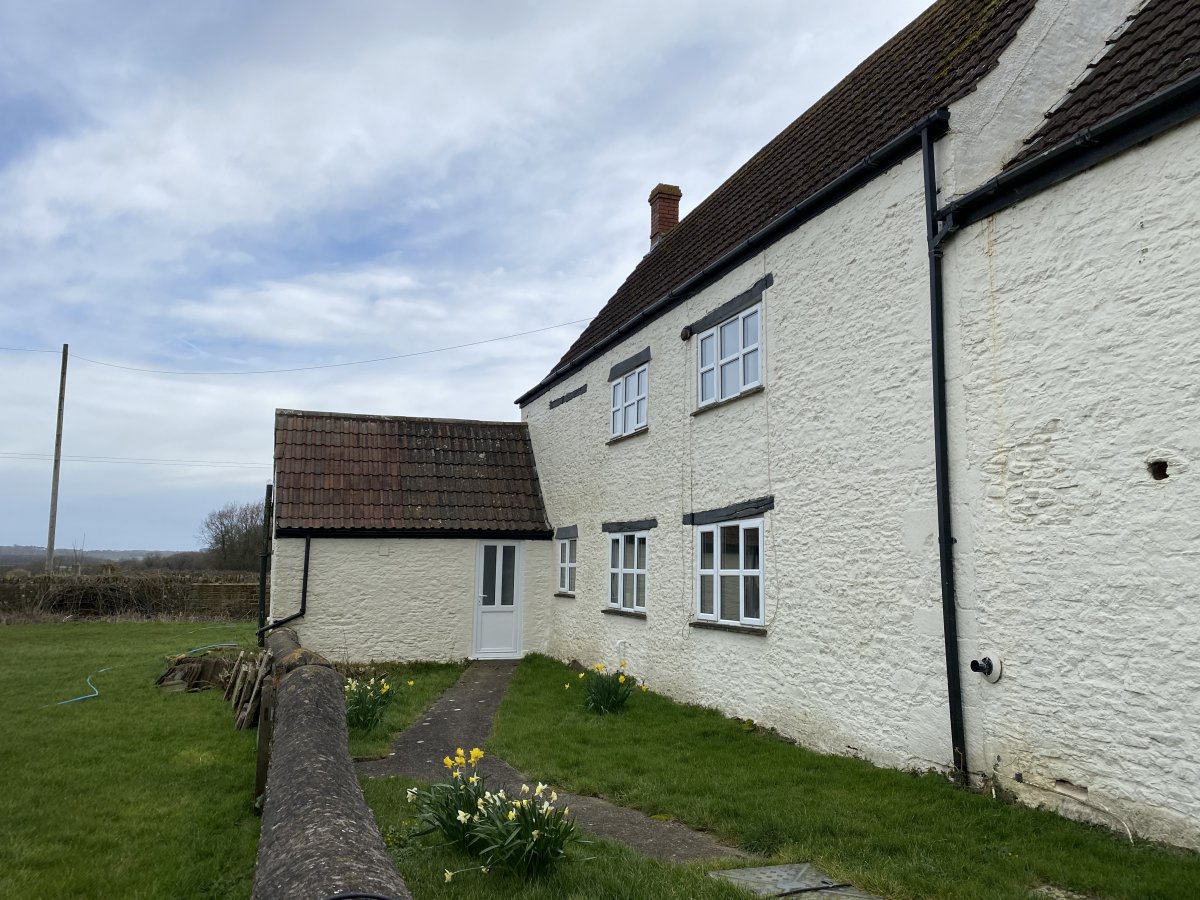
{"x": 758, "y": 630}
{"x": 624, "y": 437}
{"x": 734, "y": 399}
{"x": 628, "y": 613}
{"x": 566, "y": 594}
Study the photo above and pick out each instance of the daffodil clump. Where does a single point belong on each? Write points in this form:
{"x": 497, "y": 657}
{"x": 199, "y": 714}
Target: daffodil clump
{"x": 366, "y": 701}
{"x": 523, "y": 835}
{"x": 606, "y": 690}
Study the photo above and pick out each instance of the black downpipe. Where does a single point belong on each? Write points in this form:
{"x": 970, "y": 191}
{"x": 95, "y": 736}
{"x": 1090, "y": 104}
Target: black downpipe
{"x": 263, "y": 556}
{"x": 303, "y": 593}
{"x": 941, "y": 455}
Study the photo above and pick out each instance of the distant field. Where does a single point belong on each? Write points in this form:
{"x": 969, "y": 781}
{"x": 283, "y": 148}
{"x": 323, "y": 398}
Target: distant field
{"x": 133, "y": 794}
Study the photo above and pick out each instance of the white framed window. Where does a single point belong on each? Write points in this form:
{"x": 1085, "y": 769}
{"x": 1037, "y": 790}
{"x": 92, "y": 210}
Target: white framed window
{"x": 627, "y": 570}
{"x": 730, "y": 356}
{"x": 629, "y": 401}
{"x": 729, "y": 572}
{"x": 566, "y": 566}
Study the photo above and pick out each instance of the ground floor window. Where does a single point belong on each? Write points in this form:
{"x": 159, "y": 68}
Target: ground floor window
{"x": 566, "y": 566}
{"x": 627, "y": 570}
{"x": 729, "y": 570}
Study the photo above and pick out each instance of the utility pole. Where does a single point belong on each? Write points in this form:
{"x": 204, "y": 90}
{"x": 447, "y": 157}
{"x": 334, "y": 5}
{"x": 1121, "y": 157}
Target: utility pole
{"x": 62, "y": 396}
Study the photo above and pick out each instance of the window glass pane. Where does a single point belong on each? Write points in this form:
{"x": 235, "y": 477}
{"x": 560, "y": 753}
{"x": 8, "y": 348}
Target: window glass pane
{"x": 488, "y": 588}
{"x": 708, "y": 382}
{"x": 753, "y": 599}
{"x": 614, "y": 561}
{"x": 750, "y": 541}
{"x": 631, "y": 385}
{"x": 630, "y": 547}
{"x": 571, "y": 580}
{"x": 706, "y": 594}
{"x": 616, "y": 422}
{"x": 616, "y": 394}
{"x": 614, "y": 586}
{"x": 630, "y": 418}
{"x": 750, "y": 330}
{"x": 562, "y": 551}
{"x": 730, "y": 382}
{"x": 641, "y": 590}
{"x": 729, "y": 547}
{"x": 641, "y": 412}
{"x": 641, "y": 553}
{"x": 706, "y": 550}
{"x": 508, "y": 576}
{"x": 750, "y": 367}
{"x": 627, "y": 590}
{"x": 562, "y": 578}
{"x": 706, "y": 350}
{"x": 571, "y": 557}
{"x": 641, "y": 379}
{"x": 729, "y": 339}
{"x": 730, "y": 604}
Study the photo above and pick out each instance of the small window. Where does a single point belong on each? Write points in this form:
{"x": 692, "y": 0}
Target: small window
{"x": 566, "y": 566}
{"x": 629, "y": 401}
{"x": 729, "y": 572}
{"x": 730, "y": 357}
{"x": 627, "y": 570}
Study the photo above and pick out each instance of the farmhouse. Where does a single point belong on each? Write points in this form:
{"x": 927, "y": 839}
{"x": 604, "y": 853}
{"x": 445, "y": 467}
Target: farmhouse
{"x": 889, "y": 444}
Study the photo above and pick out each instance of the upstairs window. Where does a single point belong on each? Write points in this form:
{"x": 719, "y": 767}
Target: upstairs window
{"x": 629, "y": 401}
{"x": 627, "y": 571}
{"x": 729, "y": 572}
{"x": 730, "y": 356}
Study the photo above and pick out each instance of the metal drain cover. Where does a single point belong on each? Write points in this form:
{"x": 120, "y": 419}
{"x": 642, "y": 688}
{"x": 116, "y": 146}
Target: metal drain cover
{"x": 796, "y": 879}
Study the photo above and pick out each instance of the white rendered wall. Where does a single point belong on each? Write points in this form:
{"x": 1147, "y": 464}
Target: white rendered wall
{"x": 852, "y": 662}
{"x": 1073, "y": 362}
{"x": 397, "y": 599}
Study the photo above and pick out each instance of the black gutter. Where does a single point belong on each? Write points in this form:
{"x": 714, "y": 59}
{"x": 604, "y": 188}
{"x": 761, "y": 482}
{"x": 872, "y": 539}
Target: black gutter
{"x": 1088, "y": 148}
{"x": 303, "y": 594}
{"x": 941, "y": 458}
{"x": 263, "y": 556}
{"x": 874, "y": 163}
{"x": 542, "y": 534}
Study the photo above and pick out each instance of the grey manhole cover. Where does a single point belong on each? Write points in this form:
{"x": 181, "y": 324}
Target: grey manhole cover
{"x": 798, "y": 879}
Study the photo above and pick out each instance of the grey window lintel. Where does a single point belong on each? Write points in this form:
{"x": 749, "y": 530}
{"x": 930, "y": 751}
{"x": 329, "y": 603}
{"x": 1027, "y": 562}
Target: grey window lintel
{"x": 566, "y": 532}
{"x": 568, "y": 396}
{"x": 730, "y": 308}
{"x": 625, "y": 366}
{"x": 634, "y": 525}
{"x": 747, "y": 509}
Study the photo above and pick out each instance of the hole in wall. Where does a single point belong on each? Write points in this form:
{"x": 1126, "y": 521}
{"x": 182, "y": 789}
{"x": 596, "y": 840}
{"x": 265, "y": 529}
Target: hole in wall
{"x": 1158, "y": 469}
{"x": 1077, "y": 791}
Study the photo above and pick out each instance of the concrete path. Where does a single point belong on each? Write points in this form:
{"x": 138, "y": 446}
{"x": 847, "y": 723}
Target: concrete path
{"x": 463, "y": 717}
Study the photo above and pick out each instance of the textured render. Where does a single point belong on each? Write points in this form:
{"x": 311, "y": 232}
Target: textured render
{"x": 1073, "y": 364}
{"x": 852, "y": 659}
{"x": 397, "y": 598}
{"x": 318, "y": 836}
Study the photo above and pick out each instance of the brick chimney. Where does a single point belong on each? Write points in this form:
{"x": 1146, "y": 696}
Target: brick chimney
{"x": 664, "y": 211}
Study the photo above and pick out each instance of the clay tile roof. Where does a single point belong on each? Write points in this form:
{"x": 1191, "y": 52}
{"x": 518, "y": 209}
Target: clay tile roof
{"x": 1157, "y": 47}
{"x": 934, "y": 61}
{"x": 400, "y": 475}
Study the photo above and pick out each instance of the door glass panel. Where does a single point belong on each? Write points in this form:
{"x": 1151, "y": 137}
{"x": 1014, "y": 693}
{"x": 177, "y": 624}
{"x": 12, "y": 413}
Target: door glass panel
{"x": 706, "y": 549}
{"x": 706, "y": 594}
{"x": 627, "y": 587}
{"x": 730, "y": 603}
{"x": 641, "y": 590}
{"x": 750, "y": 540}
{"x": 729, "y": 547}
{"x": 488, "y": 588}
{"x": 753, "y": 603}
{"x": 729, "y": 339}
{"x": 750, "y": 330}
{"x": 508, "y": 576}
{"x": 730, "y": 382}
{"x": 750, "y": 367}
{"x": 706, "y": 350}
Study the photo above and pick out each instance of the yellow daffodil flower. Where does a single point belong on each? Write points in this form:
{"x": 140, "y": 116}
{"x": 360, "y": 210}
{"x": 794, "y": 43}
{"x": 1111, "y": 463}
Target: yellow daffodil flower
{"x": 476, "y": 754}
{"x": 624, "y": 663}
{"x": 553, "y": 797}
{"x": 524, "y": 789}
{"x": 512, "y": 814}
{"x": 449, "y": 876}
{"x": 410, "y": 684}
{"x": 448, "y": 762}
{"x": 540, "y": 787}
{"x": 621, "y": 679}
{"x": 581, "y": 674}
{"x": 464, "y": 816}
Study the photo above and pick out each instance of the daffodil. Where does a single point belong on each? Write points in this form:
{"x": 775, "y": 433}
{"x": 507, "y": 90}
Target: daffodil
{"x": 476, "y": 755}
{"x": 410, "y": 684}
{"x": 581, "y": 674}
{"x": 643, "y": 688}
{"x": 540, "y": 787}
{"x": 536, "y": 834}
{"x": 553, "y": 796}
{"x": 412, "y": 795}
{"x": 459, "y": 751}
{"x": 620, "y": 679}
{"x": 624, "y": 663}
{"x": 448, "y": 762}
{"x": 456, "y": 773}
{"x": 449, "y": 876}
{"x": 386, "y": 687}
{"x": 464, "y": 816}
{"x": 567, "y": 686}
{"x": 474, "y": 779}
{"x": 479, "y": 803}
{"x": 524, "y": 789}
{"x": 485, "y": 869}
{"x": 512, "y": 814}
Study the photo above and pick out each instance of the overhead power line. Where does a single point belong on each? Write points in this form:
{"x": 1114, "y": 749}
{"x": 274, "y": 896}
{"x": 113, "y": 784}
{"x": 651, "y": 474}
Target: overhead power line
{"x": 357, "y": 362}
{"x": 134, "y": 460}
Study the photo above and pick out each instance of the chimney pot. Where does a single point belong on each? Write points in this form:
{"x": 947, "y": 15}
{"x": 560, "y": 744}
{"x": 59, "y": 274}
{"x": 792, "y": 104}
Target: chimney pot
{"x": 664, "y": 211}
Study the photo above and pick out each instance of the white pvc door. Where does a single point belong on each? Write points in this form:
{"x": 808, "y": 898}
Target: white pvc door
{"x": 498, "y": 600}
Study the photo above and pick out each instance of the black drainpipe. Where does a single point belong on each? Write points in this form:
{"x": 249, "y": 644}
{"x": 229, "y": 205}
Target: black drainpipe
{"x": 941, "y": 456}
{"x": 303, "y": 593}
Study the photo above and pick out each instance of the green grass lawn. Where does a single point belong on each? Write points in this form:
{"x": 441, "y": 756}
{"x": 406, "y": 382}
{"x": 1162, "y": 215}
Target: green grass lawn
{"x": 597, "y": 870}
{"x": 133, "y": 794}
{"x": 429, "y": 680}
{"x": 893, "y": 833}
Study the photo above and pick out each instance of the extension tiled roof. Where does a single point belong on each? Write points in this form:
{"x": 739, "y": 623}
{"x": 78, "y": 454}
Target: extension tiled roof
{"x": 401, "y": 475}
{"x": 934, "y": 61}
{"x": 1154, "y": 49}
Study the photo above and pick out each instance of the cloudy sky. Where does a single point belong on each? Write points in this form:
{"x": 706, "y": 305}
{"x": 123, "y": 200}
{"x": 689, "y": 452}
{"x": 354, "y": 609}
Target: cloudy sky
{"x": 230, "y": 187}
